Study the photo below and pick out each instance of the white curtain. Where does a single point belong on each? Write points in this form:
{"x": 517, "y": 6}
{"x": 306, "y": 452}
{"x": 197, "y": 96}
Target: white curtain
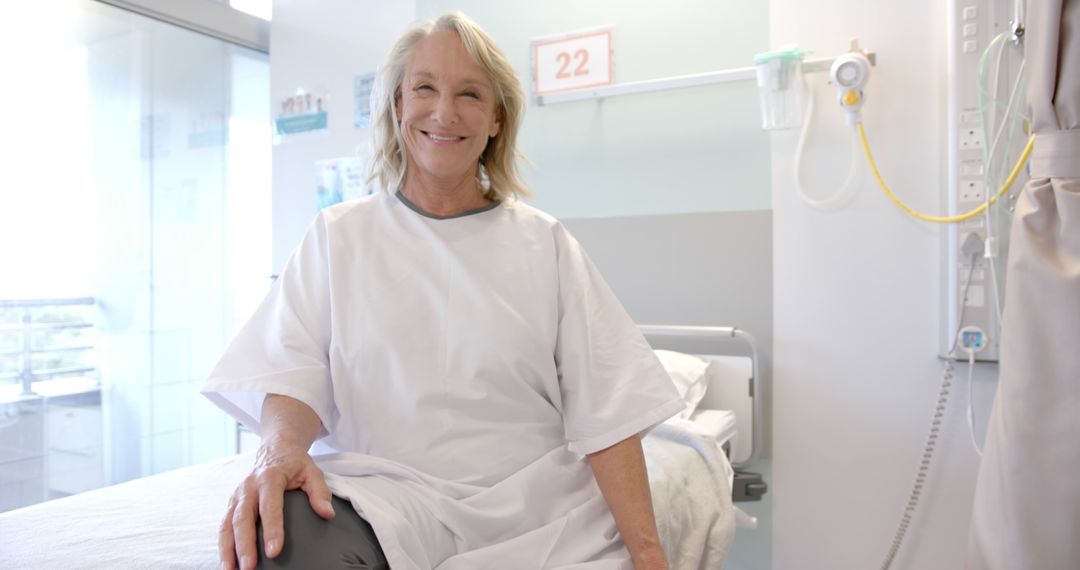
{"x": 1027, "y": 500}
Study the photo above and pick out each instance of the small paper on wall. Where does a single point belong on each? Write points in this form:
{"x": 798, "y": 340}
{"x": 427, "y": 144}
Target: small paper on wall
{"x": 362, "y": 86}
{"x": 340, "y": 179}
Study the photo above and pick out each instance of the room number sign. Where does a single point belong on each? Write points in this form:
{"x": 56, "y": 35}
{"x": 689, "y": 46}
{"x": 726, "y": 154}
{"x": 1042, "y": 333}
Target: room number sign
{"x": 571, "y": 61}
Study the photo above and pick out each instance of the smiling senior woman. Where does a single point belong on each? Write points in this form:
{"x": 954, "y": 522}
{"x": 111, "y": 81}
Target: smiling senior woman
{"x": 440, "y": 376}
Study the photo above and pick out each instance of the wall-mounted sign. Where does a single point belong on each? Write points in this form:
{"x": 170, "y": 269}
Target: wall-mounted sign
{"x": 571, "y": 61}
{"x": 362, "y": 87}
{"x": 301, "y": 113}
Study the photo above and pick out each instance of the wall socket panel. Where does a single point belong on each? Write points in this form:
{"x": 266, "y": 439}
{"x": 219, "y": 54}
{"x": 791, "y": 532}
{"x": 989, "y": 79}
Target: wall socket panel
{"x": 972, "y": 190}
{"x": 972, "y": 25}
{"x": 971, "y": 137}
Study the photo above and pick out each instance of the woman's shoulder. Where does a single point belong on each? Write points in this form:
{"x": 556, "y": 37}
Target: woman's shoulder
{"x": 525, "y": 213}
{"x": 350, "y": 209}
{"x": 543, "y": 222}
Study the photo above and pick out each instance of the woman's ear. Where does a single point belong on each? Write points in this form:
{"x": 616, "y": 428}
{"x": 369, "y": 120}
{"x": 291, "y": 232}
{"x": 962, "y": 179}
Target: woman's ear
{"x": 496, "y": 124}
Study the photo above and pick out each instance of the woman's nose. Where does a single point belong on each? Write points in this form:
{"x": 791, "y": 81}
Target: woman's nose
{"x": 445, "y": 111}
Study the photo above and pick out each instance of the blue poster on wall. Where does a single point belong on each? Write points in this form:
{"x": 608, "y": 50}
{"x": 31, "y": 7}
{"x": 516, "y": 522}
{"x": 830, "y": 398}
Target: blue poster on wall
{"x": 301, "y": 113}
{"x": 340, "y": 179}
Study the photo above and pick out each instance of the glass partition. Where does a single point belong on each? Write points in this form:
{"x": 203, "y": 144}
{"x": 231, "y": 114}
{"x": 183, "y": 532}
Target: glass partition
{"x": 142, "y": 191}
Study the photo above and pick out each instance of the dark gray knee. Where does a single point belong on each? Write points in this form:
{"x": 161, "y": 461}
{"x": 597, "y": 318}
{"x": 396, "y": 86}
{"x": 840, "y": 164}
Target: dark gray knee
{"x": 347, "y": 541}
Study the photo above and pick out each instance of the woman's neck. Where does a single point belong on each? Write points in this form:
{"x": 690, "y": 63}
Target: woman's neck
{"x": 444, "y": 199}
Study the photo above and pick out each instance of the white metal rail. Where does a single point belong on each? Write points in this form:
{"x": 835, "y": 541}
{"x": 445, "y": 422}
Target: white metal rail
{"x": 722, "y": 334}
{"x": 677, "y": 82}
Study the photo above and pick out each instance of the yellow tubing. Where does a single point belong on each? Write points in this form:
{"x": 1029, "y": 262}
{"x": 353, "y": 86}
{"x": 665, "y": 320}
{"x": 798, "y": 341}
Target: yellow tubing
{"x": 945, "y": 219}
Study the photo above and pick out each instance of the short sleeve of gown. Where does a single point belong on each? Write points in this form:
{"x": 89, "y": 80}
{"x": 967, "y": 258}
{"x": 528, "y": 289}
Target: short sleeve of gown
{"x": 283, "y": 349}
{"x": 612, "y": 385}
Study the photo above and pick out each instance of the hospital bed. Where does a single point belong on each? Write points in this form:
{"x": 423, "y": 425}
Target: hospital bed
{"x": 170, "y": 520}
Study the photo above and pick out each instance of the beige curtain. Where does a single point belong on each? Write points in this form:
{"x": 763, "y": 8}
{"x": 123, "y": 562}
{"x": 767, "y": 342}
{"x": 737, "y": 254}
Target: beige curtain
{"x": 1027, "y": 500}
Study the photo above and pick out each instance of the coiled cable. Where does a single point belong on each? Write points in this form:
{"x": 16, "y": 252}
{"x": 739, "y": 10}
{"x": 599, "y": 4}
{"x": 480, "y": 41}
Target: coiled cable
{"x": 924, "y": 466}
{"x": 931, "y": 439}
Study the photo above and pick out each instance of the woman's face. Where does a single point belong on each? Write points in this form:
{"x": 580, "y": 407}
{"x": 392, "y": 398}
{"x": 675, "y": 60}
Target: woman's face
{"x": 446, "y": 109}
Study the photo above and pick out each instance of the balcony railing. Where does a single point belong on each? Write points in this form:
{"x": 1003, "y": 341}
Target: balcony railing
{"x": 25, "y": 319}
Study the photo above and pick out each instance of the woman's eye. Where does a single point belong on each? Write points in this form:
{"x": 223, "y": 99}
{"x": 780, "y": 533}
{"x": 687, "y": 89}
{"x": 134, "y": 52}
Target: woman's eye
{"x": 471, "y": 94}
{"x": 424, "y": 87}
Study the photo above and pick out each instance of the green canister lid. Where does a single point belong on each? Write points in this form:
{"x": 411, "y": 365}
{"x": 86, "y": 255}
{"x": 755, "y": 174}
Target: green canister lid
{"x": 788, "y": 52}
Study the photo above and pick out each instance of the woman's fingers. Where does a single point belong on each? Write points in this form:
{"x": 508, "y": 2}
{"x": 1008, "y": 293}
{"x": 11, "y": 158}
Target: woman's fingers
{"x": 243, "y": 521}
{"x": 318, "y": 493}
{"x": 226, "y": 545}
{"x": 271, "y": 493}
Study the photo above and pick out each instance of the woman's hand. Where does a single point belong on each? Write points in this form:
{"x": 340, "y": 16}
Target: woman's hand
{"x": 281, "y": 464}
{"x": 651, "y": 560}
{"x": 279, "y": 467}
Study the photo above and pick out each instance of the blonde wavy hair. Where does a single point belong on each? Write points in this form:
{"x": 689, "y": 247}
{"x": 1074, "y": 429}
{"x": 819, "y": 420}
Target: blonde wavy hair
{"x": 498, "y": 173}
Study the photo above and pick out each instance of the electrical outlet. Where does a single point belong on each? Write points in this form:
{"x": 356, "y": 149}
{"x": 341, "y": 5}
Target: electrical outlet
{"x": 976, "y": 297}
{"x": 971, "y": 138}
{"x": 971, "y": 167}
{"x": 972, "y": 191}
{"x": 970, "y": 118}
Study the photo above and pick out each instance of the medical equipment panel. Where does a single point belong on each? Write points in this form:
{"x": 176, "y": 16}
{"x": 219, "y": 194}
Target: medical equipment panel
{"x": 985, "y": 133}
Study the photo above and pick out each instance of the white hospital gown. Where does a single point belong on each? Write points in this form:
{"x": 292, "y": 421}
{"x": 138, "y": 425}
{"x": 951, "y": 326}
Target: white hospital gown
{"x": 461, "y": 369}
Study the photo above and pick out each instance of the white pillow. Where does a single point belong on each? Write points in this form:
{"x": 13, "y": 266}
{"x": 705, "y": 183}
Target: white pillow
{"x": 689, "y": 375}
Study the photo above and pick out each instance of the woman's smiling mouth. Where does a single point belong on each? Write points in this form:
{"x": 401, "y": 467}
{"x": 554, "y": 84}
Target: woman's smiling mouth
{"x": 442, "y": 138}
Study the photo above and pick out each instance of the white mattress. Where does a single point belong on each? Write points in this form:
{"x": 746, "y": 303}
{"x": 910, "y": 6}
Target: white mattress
{"x": 171, "y": 520}
{"x": 716, "y": 424}
{"x": 165, "y": 521}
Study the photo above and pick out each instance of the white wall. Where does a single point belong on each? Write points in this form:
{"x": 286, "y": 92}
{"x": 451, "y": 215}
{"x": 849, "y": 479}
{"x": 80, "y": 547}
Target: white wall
{"x": 857, "y": 312}
{"x": 698, "y": 149}
{"x": 314, "y": 46}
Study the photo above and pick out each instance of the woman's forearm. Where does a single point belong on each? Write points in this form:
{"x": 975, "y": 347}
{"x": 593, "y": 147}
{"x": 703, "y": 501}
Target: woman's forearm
{"x": 620, "y": 473}
{"x": 288, "y": 421}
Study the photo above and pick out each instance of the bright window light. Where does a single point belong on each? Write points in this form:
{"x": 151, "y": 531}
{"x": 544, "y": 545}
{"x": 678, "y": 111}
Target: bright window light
{"x": 259, "y": 8}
